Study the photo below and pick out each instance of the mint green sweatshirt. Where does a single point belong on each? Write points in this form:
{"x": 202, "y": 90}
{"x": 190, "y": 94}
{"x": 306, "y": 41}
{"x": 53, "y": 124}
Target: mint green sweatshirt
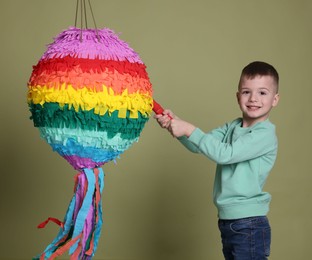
{"x": 244, "y": 157}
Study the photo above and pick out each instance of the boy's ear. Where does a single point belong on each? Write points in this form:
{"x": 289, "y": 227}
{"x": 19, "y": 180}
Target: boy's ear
{"x": 237, "y": 96}
{"x": 276, "y": 99}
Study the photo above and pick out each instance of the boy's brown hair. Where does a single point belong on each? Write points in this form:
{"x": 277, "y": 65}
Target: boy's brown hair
{"x": 259, "y": 68}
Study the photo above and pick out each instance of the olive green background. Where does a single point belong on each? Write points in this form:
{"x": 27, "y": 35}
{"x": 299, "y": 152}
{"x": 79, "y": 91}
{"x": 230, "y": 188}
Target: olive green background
{"x": 157, "y": 199}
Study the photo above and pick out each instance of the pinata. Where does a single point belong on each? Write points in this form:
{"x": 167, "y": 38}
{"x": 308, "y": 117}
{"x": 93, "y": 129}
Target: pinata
{"x": 90, "y": 97}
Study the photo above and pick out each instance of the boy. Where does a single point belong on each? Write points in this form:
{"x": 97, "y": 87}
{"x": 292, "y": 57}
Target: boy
{"x": 245, "y": 151}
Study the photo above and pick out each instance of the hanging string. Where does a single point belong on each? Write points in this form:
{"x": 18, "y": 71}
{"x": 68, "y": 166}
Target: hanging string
{"x": 76, "y": 13}
{"x": 85, "y": 13}
{"x": 81, "y": 20}
{"x": 84, "y": 18}
{"x": 97, "y": 34}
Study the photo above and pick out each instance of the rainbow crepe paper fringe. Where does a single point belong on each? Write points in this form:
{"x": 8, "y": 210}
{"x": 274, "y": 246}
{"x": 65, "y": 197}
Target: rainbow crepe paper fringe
{"x": 90, "y": 96}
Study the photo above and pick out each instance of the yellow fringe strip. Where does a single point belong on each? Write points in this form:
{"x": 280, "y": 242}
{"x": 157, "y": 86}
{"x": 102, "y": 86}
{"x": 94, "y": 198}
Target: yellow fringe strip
{"x": 86, "y": 99}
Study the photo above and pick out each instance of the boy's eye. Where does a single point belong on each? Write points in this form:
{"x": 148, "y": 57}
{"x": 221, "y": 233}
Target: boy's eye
{"x": 263, "y": 93}
{"x": 244, "y": 92}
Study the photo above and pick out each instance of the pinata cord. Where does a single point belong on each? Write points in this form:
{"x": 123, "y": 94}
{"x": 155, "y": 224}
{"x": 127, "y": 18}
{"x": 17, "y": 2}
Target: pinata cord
{"x": 83, "y": 16}
{"x": 81, "y": 228}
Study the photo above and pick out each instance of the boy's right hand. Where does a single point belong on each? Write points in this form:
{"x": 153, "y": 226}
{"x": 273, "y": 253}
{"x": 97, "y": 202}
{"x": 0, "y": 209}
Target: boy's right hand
{"x": 165, "y": 118}
{"x": 174, "y": 124}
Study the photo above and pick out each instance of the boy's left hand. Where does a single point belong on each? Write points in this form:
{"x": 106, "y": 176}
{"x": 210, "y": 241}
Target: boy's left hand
{"x": 180, "y": 128}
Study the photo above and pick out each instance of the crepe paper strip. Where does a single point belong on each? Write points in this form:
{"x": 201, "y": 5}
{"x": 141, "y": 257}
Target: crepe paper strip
{"x": 72, "y": 147}
{"x": 83, "y": 220}
{"x": 85, "y": 207}
{"x": 158, "y": 109}
{"x": 110, "y": 47}
{"x": 51, "y": 116}
{"x": 95, "y": 82}
{"x": 86, "y": 99}
{"x": 68, "y": 63}
{"x": 87, "y": 138}
{"x": 57, "y": 76}
{"x": 81, "y": 154}
{"x": 55, "y": 220}
{"x": 63, "y": 233}
{"x": 98, "y": 216}
{"x": 79, "y": 163}
{"x": 61, "y": 250}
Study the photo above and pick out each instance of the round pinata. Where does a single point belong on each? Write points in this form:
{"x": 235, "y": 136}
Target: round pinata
{"x": 90, "y": 97}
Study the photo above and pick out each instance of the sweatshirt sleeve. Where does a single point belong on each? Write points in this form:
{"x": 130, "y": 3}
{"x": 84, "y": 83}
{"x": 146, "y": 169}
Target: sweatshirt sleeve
{"x": 218, "y": 134}
{"x": 254, "y": 143}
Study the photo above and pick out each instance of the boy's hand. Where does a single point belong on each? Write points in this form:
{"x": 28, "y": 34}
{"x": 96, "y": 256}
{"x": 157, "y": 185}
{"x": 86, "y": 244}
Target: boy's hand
{"x": 165, "y": 118}
{"x": 174, "y": 124}
{"x": 180, "y": 128}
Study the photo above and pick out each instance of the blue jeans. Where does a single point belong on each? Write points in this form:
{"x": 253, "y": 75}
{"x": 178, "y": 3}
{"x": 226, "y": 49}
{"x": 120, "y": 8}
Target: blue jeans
{"x": 245, "y": 239}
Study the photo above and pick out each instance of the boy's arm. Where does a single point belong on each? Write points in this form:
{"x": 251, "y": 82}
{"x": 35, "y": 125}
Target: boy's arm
{"x": 218, "y": 133}
{"x": 188, "y": 144}
{"x": 256, "y": 143}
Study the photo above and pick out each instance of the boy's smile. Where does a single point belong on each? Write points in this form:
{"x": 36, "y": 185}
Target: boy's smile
{"x": 256, "y": 97}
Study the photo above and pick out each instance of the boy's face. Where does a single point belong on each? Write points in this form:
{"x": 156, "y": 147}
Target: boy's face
{"x": 256, "y": 97}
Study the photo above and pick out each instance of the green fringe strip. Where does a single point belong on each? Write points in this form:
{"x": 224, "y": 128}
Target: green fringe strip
{"x": 52, "y": 115}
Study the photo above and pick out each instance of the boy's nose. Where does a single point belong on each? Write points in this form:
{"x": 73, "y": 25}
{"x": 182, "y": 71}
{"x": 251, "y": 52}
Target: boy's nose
{"x": 253, "y": 97}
